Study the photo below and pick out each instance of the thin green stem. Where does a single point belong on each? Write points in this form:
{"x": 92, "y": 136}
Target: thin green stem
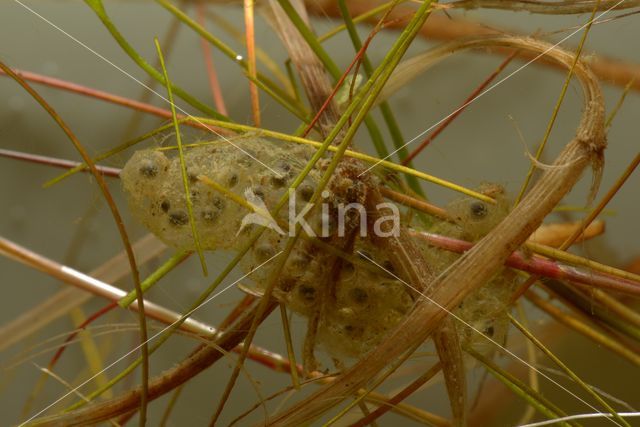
{"x": 616, "y": 108}
{"x": 183, "y": 166}
{"x": 155, "y": 277}
{"x": 361, "y": 18}
{"x": 531, "y": 396}
{"x": 261, "y": 80}
{"x": 127, "y": 144}
{"x": 98, "y": 8}
{"x": 295, "y": 380}
{"x": 567, "y": 370}
{"x": 387, "y": 114}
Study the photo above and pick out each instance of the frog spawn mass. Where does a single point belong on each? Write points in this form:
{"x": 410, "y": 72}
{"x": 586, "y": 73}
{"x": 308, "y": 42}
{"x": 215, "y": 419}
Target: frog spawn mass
{"x": 363, "y": 304}
{"x": 155, "y": 188}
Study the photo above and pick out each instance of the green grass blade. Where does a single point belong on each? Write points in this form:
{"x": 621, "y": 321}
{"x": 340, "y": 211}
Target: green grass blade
{"x": 567, "y": 371}
{"x": 183, "y": 167}
{"x": 154, "y": 277}
{"x": 100, "y": 11}
{"x": 262, "y": 81}
{"x": 385, "y": 109}
{"x": 127, "y": 144}
{"x": 531, "y": 396}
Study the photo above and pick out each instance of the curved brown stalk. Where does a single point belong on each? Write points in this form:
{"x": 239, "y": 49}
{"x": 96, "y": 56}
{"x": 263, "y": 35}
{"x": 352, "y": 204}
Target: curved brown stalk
{"x": 546, "y": 7}
{"x": 110, "y": 97}
{"x": 478, "y": 265}
{"x": 441, "y": 27}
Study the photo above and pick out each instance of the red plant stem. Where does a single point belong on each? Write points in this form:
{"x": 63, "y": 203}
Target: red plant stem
{"x": 83, "y": 325}
{"x": 108, "y": 97}
{"x": 251, "y": 60}
{"x": 356, "y": 61}
{"x": 460, "y": 109}
{"x": 442, "y": 27}
{"x": 274, "y": 361}
{"x": 399, "y": 397}
{"x": 237, "y": 311}
{"x": 589, "y": 219}
{"x": 534, "y": 264}
{"x": 75, "y": 278}
{"x": 56, "y": 162}
{"x": 214, "y": 83}
{"x": 90, "y": 92}
{"x": 333, "y": 94}
{"x": 542, "y": 266}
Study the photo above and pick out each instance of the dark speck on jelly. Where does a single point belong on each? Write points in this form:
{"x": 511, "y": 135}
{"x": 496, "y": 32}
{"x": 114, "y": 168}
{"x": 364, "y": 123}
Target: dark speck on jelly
{"x": 278, "y": 181}
{"x": 388, "y": 266}
{"x": 165, "y": 205}
{"x": 359, "y": 295}
{"x": 284, "y": 166}
{"x": 210, "y": 215}
{"x": 178, "y": 218}
{"x": 308, "y": 293}
{"x": 306, "y": 191}
{"x": 148, "y": 168}
{"x": 193, "y": 177}
{"x": 258, "y": 191}
{"x": 233, "y": 180}
{"x": 478, "y": 210}
{"x": 218, "y": 203}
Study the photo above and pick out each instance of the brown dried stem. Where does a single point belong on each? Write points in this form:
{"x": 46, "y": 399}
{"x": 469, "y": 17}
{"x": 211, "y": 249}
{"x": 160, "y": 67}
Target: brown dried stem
{"x": 444, "y": 28}
{"x": 312, "y": 72}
